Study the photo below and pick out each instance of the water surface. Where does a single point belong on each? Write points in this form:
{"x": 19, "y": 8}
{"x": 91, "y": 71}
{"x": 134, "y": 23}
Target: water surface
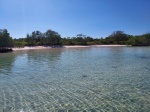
{"x": 95, "y": 79}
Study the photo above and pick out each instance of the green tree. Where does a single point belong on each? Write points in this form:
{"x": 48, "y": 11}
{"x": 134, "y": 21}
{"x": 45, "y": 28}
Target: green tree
{"x": 52, "y": 37}
{"x": 141, "y": 40}
{"x": 37, "y": 35}
{"x": 146, "y": 39}
{"x": 19, "y": 42}
{"x": 30, "y": 40}
{"x": 67, "y": 41}
{"x": 118, "y": 37}
{"x": 5, "y": 39}
{"x": 134, "y": 41}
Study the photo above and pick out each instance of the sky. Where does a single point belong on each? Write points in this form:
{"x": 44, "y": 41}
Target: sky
{"x": 95, "y": 18}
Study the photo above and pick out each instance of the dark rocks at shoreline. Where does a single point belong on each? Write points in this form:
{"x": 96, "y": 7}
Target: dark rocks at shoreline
{"x": 5, "y": 50}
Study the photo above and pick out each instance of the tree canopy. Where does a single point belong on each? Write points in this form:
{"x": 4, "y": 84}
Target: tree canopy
{"x": 143, "y": 40}
{"x": 51, "y": 38}
{"x": 5, "y": 39}
{"x": 117, "y": 37}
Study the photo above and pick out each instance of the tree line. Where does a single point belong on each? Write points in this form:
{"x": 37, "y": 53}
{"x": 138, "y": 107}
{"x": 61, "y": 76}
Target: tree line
{"x": 52, "y": 38}
{"x": 5, "y": 39}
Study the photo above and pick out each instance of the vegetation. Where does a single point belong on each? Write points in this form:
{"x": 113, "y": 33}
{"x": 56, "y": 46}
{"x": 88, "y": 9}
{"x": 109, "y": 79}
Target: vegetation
{"x": 48, "y": 38}
{"x": 143, "y": 40}
{"x": 51, "y": 38}
{"x": 117, "y": 37}
{"x": 6, "y": 41}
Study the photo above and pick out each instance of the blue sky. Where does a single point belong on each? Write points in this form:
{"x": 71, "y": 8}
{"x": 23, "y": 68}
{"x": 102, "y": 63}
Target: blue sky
{"x": 95, "y": 18}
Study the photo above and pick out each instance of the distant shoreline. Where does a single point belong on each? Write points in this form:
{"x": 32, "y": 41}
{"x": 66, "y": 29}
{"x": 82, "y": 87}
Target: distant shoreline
{"x": 110, "y": 45}
{"x": 73, "y": 46}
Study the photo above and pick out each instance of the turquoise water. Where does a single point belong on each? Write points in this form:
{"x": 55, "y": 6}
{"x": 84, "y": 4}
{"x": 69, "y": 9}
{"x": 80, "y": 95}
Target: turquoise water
{"x": 95, "y": 79}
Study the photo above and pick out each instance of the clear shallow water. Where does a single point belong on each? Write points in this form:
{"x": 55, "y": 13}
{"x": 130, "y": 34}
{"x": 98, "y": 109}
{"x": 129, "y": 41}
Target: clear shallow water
{"x": 104, "y": 79}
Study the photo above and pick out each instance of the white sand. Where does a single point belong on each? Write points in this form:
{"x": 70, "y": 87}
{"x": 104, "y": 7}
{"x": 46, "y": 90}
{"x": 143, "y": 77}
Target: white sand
{"x": 75, "y": 46}
{"x": 42, "y": 47}
{"x": 109, "y": 45}
{"x": 30, "y": 48}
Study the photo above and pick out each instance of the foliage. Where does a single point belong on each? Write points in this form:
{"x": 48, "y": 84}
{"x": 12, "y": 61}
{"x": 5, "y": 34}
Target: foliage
{"x": 53, "y": 38}
{"x": 79, "y": 39}
{"x": 117, "y": 37}
{"x": 143, "y": 40}
{"x": 5, "y": 39}
{"x": 19, "y": 42}
{"x": 50, "y": 38}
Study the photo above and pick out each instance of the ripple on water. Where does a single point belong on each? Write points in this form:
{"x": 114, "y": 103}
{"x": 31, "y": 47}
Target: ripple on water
{"x": 75, "y": 80}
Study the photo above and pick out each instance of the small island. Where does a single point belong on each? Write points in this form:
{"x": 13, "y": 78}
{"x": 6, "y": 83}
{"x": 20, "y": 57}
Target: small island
{"x": 52, "y": 39}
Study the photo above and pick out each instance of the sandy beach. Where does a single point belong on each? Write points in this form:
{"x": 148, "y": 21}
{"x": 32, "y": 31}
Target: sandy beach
{"x": 30, "y": 48}
{"x": 109, "y": 45}
{"x": 75, "y": 46}
{"x": 49, "y": 47}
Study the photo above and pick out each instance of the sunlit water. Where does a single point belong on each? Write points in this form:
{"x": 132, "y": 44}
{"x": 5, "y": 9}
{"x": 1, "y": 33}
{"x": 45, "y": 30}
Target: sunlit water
{"x": 104, "y": 79}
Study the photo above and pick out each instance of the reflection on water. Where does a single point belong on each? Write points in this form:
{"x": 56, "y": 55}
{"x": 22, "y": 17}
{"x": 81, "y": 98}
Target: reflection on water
{"x": 106, "y": 79}
{"x": 6, "y": 62}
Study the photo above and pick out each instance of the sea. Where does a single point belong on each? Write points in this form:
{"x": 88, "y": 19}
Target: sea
{"x": 91, "y": 79}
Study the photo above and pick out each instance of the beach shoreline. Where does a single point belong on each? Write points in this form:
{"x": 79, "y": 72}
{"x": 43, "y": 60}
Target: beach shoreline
{"x": 72, "y": 46}
{"x": 117, "y": 45}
